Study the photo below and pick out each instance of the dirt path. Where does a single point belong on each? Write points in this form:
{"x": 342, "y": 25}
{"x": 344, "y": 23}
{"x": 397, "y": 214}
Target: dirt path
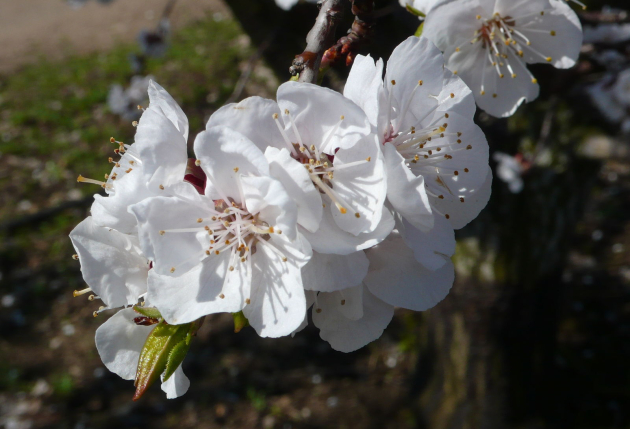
{"x": 50, "y": 28}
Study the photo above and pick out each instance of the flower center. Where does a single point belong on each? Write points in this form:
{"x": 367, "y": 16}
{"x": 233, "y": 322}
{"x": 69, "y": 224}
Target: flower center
{"x": 231, "y": 228}
{"x": 320, "y": 166}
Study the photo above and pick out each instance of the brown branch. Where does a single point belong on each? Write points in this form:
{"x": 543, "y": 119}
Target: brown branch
{"x": 346, "y": 48}
{"x": 321, "y": 36}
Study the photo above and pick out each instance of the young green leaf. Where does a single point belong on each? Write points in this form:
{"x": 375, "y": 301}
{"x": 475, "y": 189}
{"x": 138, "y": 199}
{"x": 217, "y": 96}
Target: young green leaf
{"x": 155, "y": 354}
{"x": 152, "y": 313}
{"x": 240, "y": 321}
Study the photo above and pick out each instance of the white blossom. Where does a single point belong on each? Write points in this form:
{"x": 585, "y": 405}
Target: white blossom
{"x": 154, "y": 164}
{"x": 611, "y": 95}
{"x": 488, "y": 43}
{"x": 510, "y": 170}
{"x": 329, "y": 137}
{"x": 436, "y": 158}
{"x": 235, "y": 248}
{"x": 112, "y": 261}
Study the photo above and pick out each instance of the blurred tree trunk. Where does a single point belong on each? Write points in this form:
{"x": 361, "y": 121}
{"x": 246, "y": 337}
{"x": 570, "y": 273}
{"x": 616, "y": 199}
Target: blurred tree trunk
{"x": 487, "y": 358}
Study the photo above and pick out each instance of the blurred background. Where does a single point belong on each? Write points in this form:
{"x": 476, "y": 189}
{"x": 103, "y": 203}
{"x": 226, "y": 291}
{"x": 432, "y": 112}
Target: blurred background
{"x": 535, "y": 333}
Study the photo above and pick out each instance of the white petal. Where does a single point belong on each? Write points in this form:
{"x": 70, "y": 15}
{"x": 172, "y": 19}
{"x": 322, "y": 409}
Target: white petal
{"x": 564, "y": 46}
{"x": 266, "y": 196}
{"x": 176, "y": 385}
{"x": 363, "y": 187}
{"x": 414, "y": 60}
{"x": 286, "y": 4}
{"x": 225, "y": 155}
{"x": 432, "y": 248}
{"x": 168, "y": 250}
{"x": 161, "y": 99}
{"x": 161, "y": 149}
{"x": 509, "y": 170}
{"x": 463, "y": 101}
{"x": 253, "y": 118}
{"x": 475, "y": 199}
{"x": 424, "y": 6}
{"x": 128, "y": 188}
{"x": 348, "y": 303}
{"x": 347, "y": 335}
{"x": 364, "y": 86}
{"x": 298, "y": 185}
{"x": 119, "y": 342}
{"x": 518, "y": 8}
{"x": 438, "y": 25}
{"x": 198, "y": 292}
{"x": 278, "y": 304}
{"x": 329, "y": 238}
{"x": 406, "y": 192}
{"x": 398, "y": 279}
{"x": 452, "y": 182}
{"x": 498, "y": 96}
{"x": 317, "y": 111}
{"x": 110, "y": 263}
{"x": 328, "y": 273}
{"x": 112, "y": 212}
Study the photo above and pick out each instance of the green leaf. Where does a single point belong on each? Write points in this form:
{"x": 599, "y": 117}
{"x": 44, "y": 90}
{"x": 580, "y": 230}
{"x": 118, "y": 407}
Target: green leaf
{"x": 155, "y": 354}
{"x": 240, "y": 321}
{"x": 152, "y": 313}
{"x": 414, "y": 11}
{"x": 418, "y": 32}
{"x": 175, "y": 358}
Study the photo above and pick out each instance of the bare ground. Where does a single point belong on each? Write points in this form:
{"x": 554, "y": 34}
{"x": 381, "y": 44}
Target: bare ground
{"x": 31, "y": 29}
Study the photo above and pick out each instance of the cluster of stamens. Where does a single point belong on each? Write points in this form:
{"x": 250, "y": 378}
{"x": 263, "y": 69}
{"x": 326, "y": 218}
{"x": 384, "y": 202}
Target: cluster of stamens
{"x": 427, "y": 151}
{"x": 124, "y": 165}
{"x": 505, "y": 41}
{"x": 320, "y": 166}
{"x": 231, "y": 228}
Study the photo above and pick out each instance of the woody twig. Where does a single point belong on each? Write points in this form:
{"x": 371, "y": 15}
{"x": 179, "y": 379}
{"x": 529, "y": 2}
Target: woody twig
{"x": 307, "y": 64}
